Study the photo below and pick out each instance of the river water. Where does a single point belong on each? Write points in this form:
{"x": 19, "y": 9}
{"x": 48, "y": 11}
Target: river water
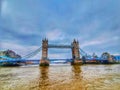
{"x": 60, "y": 77}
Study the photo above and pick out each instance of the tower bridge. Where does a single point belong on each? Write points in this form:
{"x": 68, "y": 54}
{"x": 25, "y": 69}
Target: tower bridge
{"x": 74, "y": 50}
{"x": 76, "y": 53}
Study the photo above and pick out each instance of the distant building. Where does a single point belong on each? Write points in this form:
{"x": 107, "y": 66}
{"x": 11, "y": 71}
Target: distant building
{"x": 116, "y": 58}
{"x": 9, "y": 54}
{"x": 107, "y": 56}
{"x": 2, "y": 53}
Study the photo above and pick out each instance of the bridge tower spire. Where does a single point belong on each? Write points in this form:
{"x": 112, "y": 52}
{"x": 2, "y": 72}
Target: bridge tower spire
{"x": 75, "y": 52}
{"x": 44, "y": 60}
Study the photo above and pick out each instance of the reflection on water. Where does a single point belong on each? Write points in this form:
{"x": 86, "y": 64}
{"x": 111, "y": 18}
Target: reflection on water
{"x": 76, "y": 71}
{"x": 44, "y": 79}
{"x": 64, "y": 77}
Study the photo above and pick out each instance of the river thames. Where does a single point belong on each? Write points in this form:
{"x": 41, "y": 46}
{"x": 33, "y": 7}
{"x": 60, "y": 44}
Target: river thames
{"x": 60, "y": 77}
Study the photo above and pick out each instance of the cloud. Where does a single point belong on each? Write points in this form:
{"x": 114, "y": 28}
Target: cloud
{"x": 96, "y": 42}
{"x": 55, "y": 34}
{"x": 25, "y": 24}
{"x": 59, "y": 56}
{"x": 4, "y": 8}
{"x": 0, "y": 6}
{"x": 101, "y": 41}
{"x": 55, "y": 56}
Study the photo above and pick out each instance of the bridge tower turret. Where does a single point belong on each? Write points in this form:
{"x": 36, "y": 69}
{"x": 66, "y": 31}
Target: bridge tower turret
{"x": 44, "y": 60}
{"x": 75, "y": 52}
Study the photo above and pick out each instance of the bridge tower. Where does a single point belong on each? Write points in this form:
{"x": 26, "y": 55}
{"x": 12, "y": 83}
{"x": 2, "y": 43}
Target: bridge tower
{"x": 75, "y": 53}
{"x": 44, "y": 60}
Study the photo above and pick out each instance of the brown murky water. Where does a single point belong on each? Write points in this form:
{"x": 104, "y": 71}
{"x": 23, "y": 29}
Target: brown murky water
{"x": 60, "y": 77}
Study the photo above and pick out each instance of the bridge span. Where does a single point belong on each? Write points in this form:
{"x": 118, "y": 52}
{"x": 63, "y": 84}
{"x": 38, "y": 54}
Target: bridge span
{"x": 76, "y": 52}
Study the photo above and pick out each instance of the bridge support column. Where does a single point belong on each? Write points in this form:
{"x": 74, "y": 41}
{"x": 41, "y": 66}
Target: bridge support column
{"x": 44, "y": 60}
{"x": 75, "y": 53}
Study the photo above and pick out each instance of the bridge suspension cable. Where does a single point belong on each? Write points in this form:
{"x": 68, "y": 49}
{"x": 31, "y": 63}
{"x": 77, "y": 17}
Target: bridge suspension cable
{"x": 32, "y": 53}
{"x": 83, "y": 53}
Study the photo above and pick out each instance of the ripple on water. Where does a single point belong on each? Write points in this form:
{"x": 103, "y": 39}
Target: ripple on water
{"x": 86, "y": 77}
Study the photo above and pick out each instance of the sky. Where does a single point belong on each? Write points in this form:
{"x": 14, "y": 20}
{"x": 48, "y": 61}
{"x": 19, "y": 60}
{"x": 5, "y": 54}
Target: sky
{"x": 94, "y": 23}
